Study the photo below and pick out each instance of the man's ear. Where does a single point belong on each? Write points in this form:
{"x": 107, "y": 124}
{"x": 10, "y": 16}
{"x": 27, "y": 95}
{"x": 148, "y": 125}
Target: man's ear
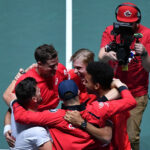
{"x": 78, "y": 91}
{"x": 39, "y": 63}
{"x": 34, "y": 99}
{"x": 97, "y": 86}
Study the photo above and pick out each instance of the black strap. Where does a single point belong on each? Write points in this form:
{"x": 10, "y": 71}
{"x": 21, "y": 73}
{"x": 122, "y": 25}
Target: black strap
{"x": 14, "y": 102}
{"x": 102, "y": 99}
{"x": 120, "y": 89}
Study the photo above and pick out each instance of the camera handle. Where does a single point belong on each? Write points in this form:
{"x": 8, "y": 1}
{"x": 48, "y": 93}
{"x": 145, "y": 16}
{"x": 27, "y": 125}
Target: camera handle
{"x": 138, "y": 36}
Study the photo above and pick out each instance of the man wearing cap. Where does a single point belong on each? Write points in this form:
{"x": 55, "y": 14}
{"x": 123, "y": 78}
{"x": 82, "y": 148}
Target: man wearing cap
{"x": 55, "y": 119}
{"x": 135, "y": 72}
{"x": 66, "y": 136}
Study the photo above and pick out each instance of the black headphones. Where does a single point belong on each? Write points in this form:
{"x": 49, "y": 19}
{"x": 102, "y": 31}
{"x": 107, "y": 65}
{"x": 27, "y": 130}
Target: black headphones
{"x": 139, "y": 12}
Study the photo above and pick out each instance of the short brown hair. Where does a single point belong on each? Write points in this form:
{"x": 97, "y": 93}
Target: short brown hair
{"x": 45, "y": 52}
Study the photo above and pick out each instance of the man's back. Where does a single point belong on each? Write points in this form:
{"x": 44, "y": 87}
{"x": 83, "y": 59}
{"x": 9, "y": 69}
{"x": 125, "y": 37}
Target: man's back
{"x": 28, "y": 137}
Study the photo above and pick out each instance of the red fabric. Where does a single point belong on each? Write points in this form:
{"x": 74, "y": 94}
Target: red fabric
{"x": 58, "y": 127}
{"x": 48, "y": 88}
{"x": 119, "y": 120}
{"x": 136, "y": 77}
{"x": 127, "y": 13}
{"x": 120, "y": 139}
{"x": 83, "y": 95}
{"x": 77, "y": 138}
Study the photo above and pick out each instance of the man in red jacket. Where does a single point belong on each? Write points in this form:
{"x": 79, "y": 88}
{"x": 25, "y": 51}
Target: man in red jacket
{"x": 48, "y": 73}
{"x": 80, "y": 60}
{"x": 130, "y": 59}
{"x": 95, "y": 113}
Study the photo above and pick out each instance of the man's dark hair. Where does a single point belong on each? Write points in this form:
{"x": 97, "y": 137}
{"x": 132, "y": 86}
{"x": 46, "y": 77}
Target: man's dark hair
{"x": 25, "y": 90}
{"x": 45, "y": 52}
{"x": 101, "y": 73}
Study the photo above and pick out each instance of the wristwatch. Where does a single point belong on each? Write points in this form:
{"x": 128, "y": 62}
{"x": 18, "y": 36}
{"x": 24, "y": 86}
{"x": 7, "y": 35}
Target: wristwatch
{"x": 84, "y": 124}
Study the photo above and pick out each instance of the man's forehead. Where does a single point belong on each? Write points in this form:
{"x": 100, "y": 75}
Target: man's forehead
{"x": 78, "y": 63}
{"x": 52, "y": 61}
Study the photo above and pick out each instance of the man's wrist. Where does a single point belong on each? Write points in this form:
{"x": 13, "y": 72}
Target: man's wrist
{"x": 121, "y": 88}
{"x": 83, "y": 124}
{"x": 7, "y": 128}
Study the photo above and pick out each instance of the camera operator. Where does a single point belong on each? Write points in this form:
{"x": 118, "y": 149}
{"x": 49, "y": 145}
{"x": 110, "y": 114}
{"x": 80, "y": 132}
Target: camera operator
{"x": 132, "y": 70}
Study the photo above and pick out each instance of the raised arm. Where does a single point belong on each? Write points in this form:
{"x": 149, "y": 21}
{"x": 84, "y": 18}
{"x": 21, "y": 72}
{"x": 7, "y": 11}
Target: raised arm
{"x": 8, "y": 95}
{"x": 112, "y": 107}
{"x": 45, "y": 118}
{"x": 103, "y": 134}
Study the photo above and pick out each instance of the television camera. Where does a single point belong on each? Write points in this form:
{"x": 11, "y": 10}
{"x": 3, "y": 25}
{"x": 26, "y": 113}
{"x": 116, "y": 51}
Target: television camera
{"x": 122, "y": 49}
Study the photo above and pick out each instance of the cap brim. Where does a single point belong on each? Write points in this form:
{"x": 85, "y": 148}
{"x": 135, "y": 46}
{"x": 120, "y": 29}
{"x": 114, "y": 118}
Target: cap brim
{"x": 127, "y": 19}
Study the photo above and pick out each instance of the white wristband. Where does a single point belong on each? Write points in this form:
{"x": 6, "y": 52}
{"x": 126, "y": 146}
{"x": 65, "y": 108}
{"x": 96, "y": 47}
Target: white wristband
{"x": 7, "y": 127}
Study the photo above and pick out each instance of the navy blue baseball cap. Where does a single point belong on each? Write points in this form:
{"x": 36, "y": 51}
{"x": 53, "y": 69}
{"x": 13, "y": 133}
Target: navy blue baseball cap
{"x": 67, "y": 86}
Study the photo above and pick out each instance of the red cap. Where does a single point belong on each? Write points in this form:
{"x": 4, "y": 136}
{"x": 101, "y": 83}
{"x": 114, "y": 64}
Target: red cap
{"x": 127, "y": 13}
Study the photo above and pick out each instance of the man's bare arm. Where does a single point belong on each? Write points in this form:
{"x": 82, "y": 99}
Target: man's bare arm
{"x": 7, "y": 129}
{"x": 113, "y": 94}
{"x": 8, "y": 96}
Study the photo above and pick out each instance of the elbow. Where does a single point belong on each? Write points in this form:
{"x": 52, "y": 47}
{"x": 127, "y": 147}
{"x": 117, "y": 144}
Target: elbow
{"x": 107, "y": 136}
{"x": 107, "y": 139}
{"x": 4, "y": 96}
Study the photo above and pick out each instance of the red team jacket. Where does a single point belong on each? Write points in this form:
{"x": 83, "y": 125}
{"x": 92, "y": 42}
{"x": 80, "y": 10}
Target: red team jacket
{"x": 48, "y": 88}
{"x": 65, "y": 136}
{"x": 120, "y": 139}
{"x": 138, "y": 87}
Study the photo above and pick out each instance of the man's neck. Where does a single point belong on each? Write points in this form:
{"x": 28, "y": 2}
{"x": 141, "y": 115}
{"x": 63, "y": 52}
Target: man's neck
{"x": 72, "y": 102}
{"x": 103, "y": 92}
{"x": 32, "y": 107}
{"x": 41, "y": 75}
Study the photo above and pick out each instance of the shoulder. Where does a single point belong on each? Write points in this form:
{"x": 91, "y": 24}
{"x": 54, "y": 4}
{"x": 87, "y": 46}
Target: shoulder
{"x": 72, "y": 74}
{"x": 144, "y": 30}
{"x": 61, "y": 69}
{"x": 109, "y": 28}
{"x": 30, "y": 73}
